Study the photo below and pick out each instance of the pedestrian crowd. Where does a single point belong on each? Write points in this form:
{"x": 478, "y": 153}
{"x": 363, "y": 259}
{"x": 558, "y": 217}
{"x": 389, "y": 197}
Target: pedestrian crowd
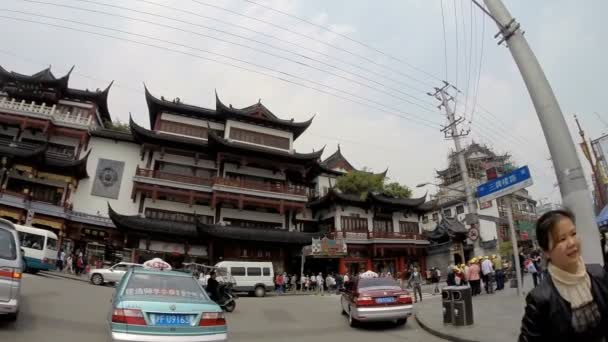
{"x": 72, "y": 262}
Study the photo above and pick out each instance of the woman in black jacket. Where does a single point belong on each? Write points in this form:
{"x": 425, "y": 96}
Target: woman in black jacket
{"x": 571, "y": 303}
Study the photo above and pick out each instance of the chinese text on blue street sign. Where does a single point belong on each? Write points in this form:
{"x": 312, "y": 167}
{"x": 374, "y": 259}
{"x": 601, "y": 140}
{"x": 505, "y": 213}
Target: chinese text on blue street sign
{"x": 516, "y": 180}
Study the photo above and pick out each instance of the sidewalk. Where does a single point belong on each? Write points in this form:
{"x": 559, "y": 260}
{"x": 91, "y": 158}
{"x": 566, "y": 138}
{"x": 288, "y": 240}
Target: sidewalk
{"x": 497, "y": 317}
{"x": 83, "y": 278}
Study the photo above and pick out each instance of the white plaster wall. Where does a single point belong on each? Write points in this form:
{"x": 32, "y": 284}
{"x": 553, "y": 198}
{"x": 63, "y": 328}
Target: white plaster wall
{"x": 178, "y": 207}
{"x": 252, "y": 171}
{"x": 260, "y": 129}
{"x": 252, "y": 215}
{"x": 128, "y": 153}
{"x": 183, "y": 160}
{"x": 322, "y": 182}
{"x": 399, "y": 216}
{"x": 348, "y": 211}
{"x": 192, "y": 121}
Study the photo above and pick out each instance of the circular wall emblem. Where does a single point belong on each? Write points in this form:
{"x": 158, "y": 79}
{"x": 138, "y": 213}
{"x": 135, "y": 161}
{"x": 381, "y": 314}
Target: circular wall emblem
{"x": 473, "y": 234}
{"x": 172, "y": 307}
{"x": 108, "y": 176}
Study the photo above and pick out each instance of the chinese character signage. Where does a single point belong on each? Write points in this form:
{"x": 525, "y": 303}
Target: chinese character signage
{"x": 328, "y": 248}
{"x": 516, "y": 180}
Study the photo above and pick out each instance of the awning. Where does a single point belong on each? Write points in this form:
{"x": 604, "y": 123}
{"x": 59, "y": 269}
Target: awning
{"x": 11, "y": 214}
{"x": 49, "y": 223}
{"x": 602, "y": 219}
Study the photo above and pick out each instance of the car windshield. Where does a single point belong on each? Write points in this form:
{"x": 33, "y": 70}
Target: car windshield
{"x": 51, "y": 244}
{"x": 168, "y": 286}
{"x": 370, "y": 283}
{"x": 8, "y": 249}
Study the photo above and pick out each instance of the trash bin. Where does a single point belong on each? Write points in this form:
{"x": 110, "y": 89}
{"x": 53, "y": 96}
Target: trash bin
{"x": 447, "y": 305}
{"x": 462, "y": 305}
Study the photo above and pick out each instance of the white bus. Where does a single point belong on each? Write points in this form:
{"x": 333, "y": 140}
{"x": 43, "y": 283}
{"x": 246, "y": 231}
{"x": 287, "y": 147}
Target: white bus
{"x": 40, "y": 247}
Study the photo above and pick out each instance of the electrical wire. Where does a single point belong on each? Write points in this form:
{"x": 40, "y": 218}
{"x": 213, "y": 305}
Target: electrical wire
{"x": 469, "y": 68}
{"x": 483, "y": 31}
{"x": 457, "y": 59}
{"x": 445, "y": 42}
{"x": 308, "y": 37}
{"x": 391, "y": 111}
{"x": 347, "y": 37}
{"x": 327, "y": 72}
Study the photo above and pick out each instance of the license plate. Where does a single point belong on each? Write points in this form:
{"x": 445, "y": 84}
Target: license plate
{"x": 171, "y": 319}
{"x": 384, "y": 300}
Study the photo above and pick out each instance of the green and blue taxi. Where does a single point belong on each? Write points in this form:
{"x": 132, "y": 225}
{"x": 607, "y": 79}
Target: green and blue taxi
{"x": 154, "y": 303}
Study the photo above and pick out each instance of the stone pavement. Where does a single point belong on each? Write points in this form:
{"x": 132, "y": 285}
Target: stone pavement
{"x": 497, "y": 317}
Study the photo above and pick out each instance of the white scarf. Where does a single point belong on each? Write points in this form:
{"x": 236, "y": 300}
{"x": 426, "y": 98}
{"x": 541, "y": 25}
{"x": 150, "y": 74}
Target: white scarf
{"x": 575, "y": 288}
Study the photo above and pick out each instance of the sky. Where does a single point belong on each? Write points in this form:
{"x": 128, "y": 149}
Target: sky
{"x": 361, "y": 67}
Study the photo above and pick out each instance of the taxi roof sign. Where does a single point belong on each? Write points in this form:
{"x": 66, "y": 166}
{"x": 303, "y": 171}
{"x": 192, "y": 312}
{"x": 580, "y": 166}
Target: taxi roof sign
{"x": 157, "y": 264}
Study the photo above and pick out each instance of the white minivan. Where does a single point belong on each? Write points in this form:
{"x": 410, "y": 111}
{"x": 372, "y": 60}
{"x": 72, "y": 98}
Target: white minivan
{"x": 254, "y": 277}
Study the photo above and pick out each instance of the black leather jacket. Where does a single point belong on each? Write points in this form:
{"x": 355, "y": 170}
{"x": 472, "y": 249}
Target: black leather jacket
{"x": 548, "y": 316}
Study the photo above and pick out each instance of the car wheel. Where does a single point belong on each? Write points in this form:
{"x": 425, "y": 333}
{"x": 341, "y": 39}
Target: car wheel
{"x": 351, "y": 320}
{"x": 260, "y": 291}
{"x": 12, "y": 317}
{"x": 97, "y": 279}
{"x": 402, "y": 321}
{"x": 230, "y": 306}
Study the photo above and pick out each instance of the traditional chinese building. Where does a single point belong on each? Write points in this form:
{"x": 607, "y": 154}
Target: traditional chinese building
{"x": 201, "y": 184}
{"x": 382, "y": 233}
{"x": 45, "y": 141}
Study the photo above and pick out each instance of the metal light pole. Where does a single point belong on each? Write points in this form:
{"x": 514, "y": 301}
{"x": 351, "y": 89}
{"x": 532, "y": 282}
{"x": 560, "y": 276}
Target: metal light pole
{"x": 508, "y": 204}
{"x": 568, "y": 168}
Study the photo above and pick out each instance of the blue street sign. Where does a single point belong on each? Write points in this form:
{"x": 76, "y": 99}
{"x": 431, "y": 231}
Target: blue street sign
{"x": 515, "y": 180}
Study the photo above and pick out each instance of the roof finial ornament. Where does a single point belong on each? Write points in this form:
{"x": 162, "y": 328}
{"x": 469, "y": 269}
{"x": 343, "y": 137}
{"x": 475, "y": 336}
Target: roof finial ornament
{"x": 260, "y": 100}
{"x": 338, "y": 146}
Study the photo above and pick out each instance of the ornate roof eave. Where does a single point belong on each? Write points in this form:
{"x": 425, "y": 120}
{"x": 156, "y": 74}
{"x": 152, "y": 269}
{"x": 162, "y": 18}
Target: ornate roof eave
{"x": 100, "y": 98}
{"x": 143, "y": 135}
{"x": 44, "y": 77}
{"x": 76, "y": 168}
{"x": 220, "y": 144}
{"x": 135, "y": 223}
{"x": 28, "y": 154}
{"x": 336, "y": 157}
{"x": 156, "y": 105}
{"x": 405, "y": 203}
{"x": 434, "y": 205}
{"x": 255, "y": 234}
{"x": 246, "y": 114}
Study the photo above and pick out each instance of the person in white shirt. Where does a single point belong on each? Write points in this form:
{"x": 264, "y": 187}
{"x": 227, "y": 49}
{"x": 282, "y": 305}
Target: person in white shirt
{"x": 487, "y": 271}
{"x": 320, "y": 287}
{"x": 346, "y": 278}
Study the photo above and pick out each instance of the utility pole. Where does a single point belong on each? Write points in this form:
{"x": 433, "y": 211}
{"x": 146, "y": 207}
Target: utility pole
{"x": 568, "y": 168}
{"x": 600, "y": 196}
{"x": 451, "y": 131}
{"x": 518, "y": 276}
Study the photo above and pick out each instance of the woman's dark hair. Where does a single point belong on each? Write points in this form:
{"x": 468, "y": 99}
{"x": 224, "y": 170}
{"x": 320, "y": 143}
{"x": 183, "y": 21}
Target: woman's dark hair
{"x": 547, "y": 222}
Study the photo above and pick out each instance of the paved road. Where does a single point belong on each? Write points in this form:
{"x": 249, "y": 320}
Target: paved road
{"x": 56, "y": 309}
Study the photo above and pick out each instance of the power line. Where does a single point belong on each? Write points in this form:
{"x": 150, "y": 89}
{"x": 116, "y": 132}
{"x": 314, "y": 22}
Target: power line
{"x": 483, "y": 31}
{"x": 445, "y": 42}
{"x": 390, "y": 111}
{"x": 261, "y": 51}
{"x": 457, "y": 57}
{"x": 344, "y": 36}
{"x": 301, "y": 35}
{"x": 466, "y": 106}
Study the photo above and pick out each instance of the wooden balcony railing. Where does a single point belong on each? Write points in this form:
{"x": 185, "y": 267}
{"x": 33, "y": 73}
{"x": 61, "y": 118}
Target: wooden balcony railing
{"x": 158, "y": 174}
{"x": 395, "y": 235}
{"x": 263, "y": 186}
{"x": 44, "y": 111}
{"x": 364, "y": 235}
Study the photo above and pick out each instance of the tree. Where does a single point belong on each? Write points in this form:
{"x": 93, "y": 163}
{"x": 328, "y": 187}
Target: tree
{"x": 505, "y": 248}
{"x": 397, "y": 190}
{"x": 117, "y": 126}
{"x": 360, "y": 183}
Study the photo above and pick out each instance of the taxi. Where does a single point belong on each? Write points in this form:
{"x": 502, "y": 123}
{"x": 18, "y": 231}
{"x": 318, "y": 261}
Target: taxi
{"x": 154, "y": 303}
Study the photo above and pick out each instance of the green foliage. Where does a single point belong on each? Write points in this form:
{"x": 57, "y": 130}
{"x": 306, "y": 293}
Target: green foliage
{"x": 117, "y": 126}
{"x": 506, "y": 248}
{"x": 397, "y": 190}
{"x": 361, "y": 183}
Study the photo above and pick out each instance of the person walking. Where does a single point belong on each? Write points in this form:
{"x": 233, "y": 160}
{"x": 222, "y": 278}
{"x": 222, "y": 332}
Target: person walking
{"x": 436, "y": 277}
{"x": 294, "y": 283}
{"x": 500, "y": 274}
{"x": 474, "y": 278}
{"x": 533, "y": 271}
{"x": 320, "y": 287}
{"x": 69, "y": 266}
{"x": 280, "y": 283}
{"x": 313, "y": 282}
{"x": 487, "y": 272}
{"x": 415, "y": 281}
{"x": 571, "y": 304}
